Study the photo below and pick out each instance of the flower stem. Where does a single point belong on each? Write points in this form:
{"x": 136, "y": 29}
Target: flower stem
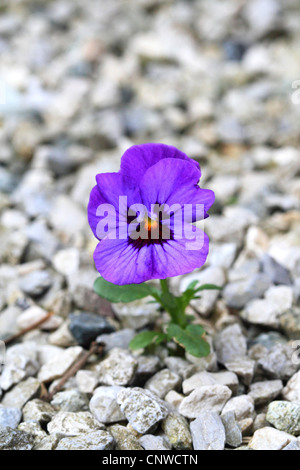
{"x": 164, "y": 286}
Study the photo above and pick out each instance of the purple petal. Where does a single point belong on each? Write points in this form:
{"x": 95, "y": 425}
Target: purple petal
{"x": 110, "y": 186}
{"x": 139, "y": 158}
{"x": 121, "y": 262}
{"x": 173, "y": 181}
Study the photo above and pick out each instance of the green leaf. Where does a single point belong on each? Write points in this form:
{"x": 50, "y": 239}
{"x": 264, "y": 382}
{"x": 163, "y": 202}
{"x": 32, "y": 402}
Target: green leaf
{"x": 190, "y": 338}
{"x": 126, "y": 293}
{"x": 208, "y": 287}
{"x": 144, "y": 339}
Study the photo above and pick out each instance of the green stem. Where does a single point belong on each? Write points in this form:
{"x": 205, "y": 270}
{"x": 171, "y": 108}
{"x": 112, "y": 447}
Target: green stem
{"x": 164, "y": 286}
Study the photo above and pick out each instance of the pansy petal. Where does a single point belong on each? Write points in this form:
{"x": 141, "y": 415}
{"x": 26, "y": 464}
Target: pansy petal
{"x": 175, "y": 182}
{"x": 124, "y": 262}
{"x": 121, "y": 262}
{"x": 139, "y": 158}
{"x": 113, "y": 185}
{"x": 180, "y": 256}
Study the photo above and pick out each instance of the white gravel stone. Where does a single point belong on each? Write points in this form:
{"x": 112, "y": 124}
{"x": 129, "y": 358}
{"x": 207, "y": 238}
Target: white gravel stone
{"x": 104, "y": 406}
{"x": 118, "y": 368}
{"x": 242, "y": 406}
{"x": 67, "y": 424}
{"x": 208, "y": 431}
{"x": 270, "y": 439}
{"x": 97, "y": 440}
{"x": 150, "y": 442}
{"x": 9, "y": 417}
{"x": 87, "y": 381}
{"x": 208, "y": 397}
{"x": 230, "y": 344}
{"x": 141, "y": 408}
{"x": 292, "y": 390}
{"x": 209, "y": 378}
{"x": 56, "y": 367}
{"x": 163, "y": 382}
{"x": 264, "y": 392}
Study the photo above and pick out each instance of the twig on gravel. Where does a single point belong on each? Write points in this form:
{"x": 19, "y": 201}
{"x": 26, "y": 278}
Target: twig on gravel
{"x": 27, "y": 330}
{"x": 95, "y": 348}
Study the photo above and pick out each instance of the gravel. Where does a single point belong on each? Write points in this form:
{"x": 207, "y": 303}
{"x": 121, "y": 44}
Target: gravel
{"x": 70, "y": 110}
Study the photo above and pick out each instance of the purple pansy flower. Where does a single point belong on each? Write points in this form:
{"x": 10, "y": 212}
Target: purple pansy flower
{"x": 149, "y": 247}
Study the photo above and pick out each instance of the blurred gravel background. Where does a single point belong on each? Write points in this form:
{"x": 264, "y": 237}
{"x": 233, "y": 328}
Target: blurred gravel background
{"x": 79, "y": 83}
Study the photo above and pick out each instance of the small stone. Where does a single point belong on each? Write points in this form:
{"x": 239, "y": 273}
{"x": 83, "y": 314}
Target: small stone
{"x": 125, "y": 440}
{"x": 232, "y": 429}
{"x": 177, "y": 430}
{"x": 97, "y": 440}
{"x": 22, "y": 393}
{"x": 230, "y": 343}
{"x": 56, "y": 367}
{"x": 118, "y": 368}
{"x": 295, "y": 445}
{"x": 141, "y": 408}
{"x": 209, "y": 397}
{"x": 34, "y": 429}
{"x": 66, "y": 262}
{"x": 34, "y": 315}
{"x": 70, "y": 400}
{"x": 209, "y": 378}
{"x": 11, "y": 439}
{"x": 277, "y": 273}
{"x": 222, "y": 255}
{"x": 67, "y": 424}
{"x": 238, "y": 294}
{"x": 208, "y": 432}
{"x": 62, "y": 337}
{"x": 174, "y": 398}
{"x": 150, "y": 442}
{"x": 264, "y": 392}
{"x": 35, "y": 283}
{"x": 278, "y": 362}
{"x": 180, "y": 366}
{"x": 118, "y": 339}
{"x": 17, "y": 368}
{"x": 266, "y": 312}
{"x": 104, "y": 406}
{"x": 290, "y": 323}
{"x": 246, "y": 426}
{"x": 85, "y": 327}
{"x": 66, "y": 216}
{"x": 9, "y": 418}
{"x": 242, "y": 406}
{"x": 47, "y": 443}
{"x": 285, "y": 416}
{"x": 38, "y": 410}
{"x": 260, "y": 422}
{"x": 147, "y": 366}
{"x": 268, "y": 340}
{"x": 292, "y": 390}
{"x": 243, "y": 367}
{"x": 137, "y": 314}
{"x": 163, "y": 382}
{"x": 270, "y": 439}
{"x": 86, "y": 381}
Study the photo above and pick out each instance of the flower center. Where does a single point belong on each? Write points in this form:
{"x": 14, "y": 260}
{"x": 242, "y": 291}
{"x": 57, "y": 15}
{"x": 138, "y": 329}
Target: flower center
{"x": 150, "y": 224}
